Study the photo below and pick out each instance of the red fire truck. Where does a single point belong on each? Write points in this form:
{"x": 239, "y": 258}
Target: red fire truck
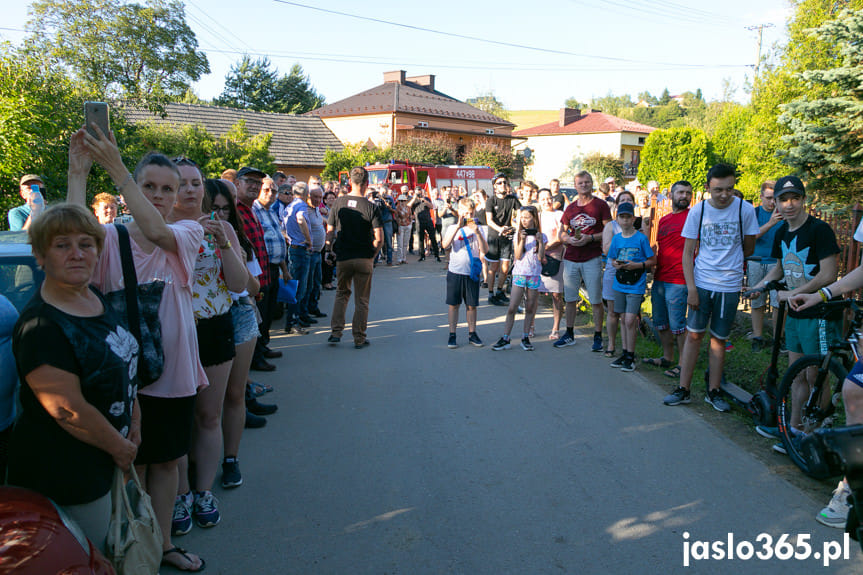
{"x": 427, "y": 176}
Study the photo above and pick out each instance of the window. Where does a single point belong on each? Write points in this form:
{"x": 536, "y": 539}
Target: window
{"x": 489, "y": 131}
{"x": 423, "y": 124}
{"x": 641, "y": 140}
{"x": 422, "y": 177}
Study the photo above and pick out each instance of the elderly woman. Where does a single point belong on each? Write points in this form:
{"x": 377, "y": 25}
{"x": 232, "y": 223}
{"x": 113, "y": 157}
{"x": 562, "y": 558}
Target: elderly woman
{"x": 165, "y": 252}
{"x": 79, "y": 418}
{"x": 105, "y": 207}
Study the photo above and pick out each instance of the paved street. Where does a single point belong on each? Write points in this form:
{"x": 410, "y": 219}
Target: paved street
{"x": 410, "y": 458}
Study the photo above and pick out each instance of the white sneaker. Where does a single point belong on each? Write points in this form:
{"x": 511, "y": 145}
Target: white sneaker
{"x": 836, "y": 512}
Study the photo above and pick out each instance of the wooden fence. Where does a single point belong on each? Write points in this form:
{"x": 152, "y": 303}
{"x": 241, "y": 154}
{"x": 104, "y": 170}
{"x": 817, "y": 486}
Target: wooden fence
{"x": 844, "y": 225}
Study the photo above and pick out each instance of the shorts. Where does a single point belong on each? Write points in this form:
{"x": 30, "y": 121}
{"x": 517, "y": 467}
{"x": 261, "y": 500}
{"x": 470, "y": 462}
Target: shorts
{"x": 499, "y": 249}
{"x": 669, "y": 306}
{"x": 460, "y": 288}
{"x": 716, "y": 308}
{"x": 590, "y": 272}
{"x": 608, "y": 282}
{"x": 811, "y": 336}
{"x": 755, "y": 272}
{"x": 215, "y": 339}
{"x": 245, "y": 321}
{"x": 529, "y": 282}
{"x": 856, "y": 374}
{"x": 628, "y": 302}
{"x": 166, "y": 428}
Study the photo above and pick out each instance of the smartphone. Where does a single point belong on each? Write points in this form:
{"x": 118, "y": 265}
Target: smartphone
{"x": 36, "y": 195}
{"x": 96, "y": 112}
{"x": 530, "y": 231}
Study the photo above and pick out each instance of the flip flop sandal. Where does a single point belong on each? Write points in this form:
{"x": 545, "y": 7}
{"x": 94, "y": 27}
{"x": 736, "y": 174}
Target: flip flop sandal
{"x": 609, "y": 353}
{"x": 183, "y": 552}
{"x": 657, "y": 362}
{"x": 673, "y": 373}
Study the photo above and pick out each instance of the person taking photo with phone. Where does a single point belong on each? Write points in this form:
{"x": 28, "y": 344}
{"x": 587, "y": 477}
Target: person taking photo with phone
{"x": 32, "y": 190}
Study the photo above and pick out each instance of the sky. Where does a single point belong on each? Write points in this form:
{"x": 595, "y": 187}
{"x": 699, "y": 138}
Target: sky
{"x": 533, "y": 55}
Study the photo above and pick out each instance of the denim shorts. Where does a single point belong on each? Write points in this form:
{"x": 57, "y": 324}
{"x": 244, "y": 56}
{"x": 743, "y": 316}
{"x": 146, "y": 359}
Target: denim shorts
{"x": 627, "y": 302}
{"x": 528, "y": 282}
{"x": 669, "y": 306}
{"x": 608, "y": 282}
{"x": 590, "y": 272}
{"x": 755, "y": 272}
{"x": 245, "y": 322}
{"x": 715, "y": 308}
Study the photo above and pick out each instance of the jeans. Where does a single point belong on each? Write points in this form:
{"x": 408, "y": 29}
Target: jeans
{"x": 266, "y": 305}
{"x": 359, "y": 271}
{"x": 388, "y": 240}
{"x": 299, "y": 266}
{"x": 313, "y": 287}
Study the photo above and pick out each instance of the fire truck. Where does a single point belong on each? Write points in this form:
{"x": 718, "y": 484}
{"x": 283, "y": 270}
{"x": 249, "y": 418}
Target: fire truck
{"x": 427, "y": 176}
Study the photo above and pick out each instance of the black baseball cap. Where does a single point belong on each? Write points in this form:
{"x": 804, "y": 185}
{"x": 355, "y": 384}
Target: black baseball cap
{"x": 788, "y": 184}
{"x": 498, "y": 176}
{"x": 246, "y": 170}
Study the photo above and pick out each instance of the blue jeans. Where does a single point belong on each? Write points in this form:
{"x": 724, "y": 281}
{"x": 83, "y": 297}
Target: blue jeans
{"x": 299, "y": 267}
{"x": 388, "y": 240}
{"x": 313, "y": 287}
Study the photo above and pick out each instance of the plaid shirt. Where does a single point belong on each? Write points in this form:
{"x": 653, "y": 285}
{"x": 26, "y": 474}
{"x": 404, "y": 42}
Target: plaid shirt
{"x": 277, "y": 249}
{"x": 253, "y": 231}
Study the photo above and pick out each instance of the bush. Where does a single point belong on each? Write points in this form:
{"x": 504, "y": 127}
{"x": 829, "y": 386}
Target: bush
{"x": 676, "y": 154}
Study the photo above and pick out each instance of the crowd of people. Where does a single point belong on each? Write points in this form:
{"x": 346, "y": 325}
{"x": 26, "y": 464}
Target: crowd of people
{"x": 211, "y": 256}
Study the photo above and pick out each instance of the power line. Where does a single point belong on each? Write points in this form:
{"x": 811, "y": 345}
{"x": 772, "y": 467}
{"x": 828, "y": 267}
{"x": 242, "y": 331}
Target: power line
{"x": 485, "y": 40}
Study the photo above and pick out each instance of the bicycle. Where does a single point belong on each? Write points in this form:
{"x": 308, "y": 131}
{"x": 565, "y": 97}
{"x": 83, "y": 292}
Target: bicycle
{"x": 818, "y": 410}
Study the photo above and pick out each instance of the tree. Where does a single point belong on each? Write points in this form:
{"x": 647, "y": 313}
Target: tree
{"x": 575, "y": 104}
{"x": 487, "y": 152}
{"x": 676, "y": 154}
{"x": 349, "y": 156}
{"x": 611, "y": 104}
{"x": 728, "y": 135}
{"x": 40, "y": 107}
{"x": 487, "y": 102}
{"x": 433, "y": 149}
{"x": 603, "y": 166}
{"x": 826, "y": 141}
{"x": 665, "y": 98}
{"x": 143, "y": 52}
{"x": 255, "y": 85}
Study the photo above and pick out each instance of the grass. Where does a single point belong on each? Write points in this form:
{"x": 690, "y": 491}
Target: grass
{"x": 529, "y": 118}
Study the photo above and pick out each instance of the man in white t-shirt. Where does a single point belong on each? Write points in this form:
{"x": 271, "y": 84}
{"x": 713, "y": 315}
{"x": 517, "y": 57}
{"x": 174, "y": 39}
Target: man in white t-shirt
{"x": 723, "y": 228}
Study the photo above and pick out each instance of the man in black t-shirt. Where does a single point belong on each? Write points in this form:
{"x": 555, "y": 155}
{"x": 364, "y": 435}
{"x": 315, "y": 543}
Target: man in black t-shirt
{"x": 422, "y": 207}
{"x": 499, "y": 211}
{"x": 356, "y": 225}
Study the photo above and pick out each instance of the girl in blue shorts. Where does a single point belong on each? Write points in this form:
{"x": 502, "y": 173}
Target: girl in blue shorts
{"x": 529, "y": 255}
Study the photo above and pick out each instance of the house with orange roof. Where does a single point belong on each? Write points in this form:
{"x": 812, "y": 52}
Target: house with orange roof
{"x": 407, "y": 108}
{"x": 577, "y": 134}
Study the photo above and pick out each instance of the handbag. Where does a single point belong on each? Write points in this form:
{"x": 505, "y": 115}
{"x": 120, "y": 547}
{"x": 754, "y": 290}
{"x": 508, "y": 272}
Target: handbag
{"x": 134, "y": 541}
{"x": 475, "y": 263}
{"x": 550, "y": 267}
{"x": 138, "y": 306}
{"x": 288, "y": 291}
{"x": 628, "y": 277}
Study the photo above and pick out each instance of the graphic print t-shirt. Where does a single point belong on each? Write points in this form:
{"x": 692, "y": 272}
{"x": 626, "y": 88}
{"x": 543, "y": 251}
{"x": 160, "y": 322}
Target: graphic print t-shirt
{"x": 719, "y": 263}
{"x": 590, "y": 220}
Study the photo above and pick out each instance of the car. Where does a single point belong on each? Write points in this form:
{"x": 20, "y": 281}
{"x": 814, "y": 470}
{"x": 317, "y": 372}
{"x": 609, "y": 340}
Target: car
{"x": 20, "y": 276}
{"x": 38, "y": 538}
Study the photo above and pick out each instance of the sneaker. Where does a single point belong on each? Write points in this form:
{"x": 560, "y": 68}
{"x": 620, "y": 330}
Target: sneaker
{"x": 492, "y": 299}
{"x": 628, "y": 364}
{"x": 205, "y": 511}
{"x": 231, "y": 476}
{"x": 619, "y": 362}
{"x": 780, "y": 448}
{"x": 500, "y": 299}
{"x": 334, "y": 339}
{"x": 714, "y": 398}
{"x": 181, "y": 522}
{"x": 678, "y": 396}
{"x": 836, "y": 512}
{"x": 451, "y": 343}
{"x": 768, "y": 432}
{"x": 474, "y": 340}
{"x": 757, "y": 344}
{"x": 502, "y": 343}
{"x": 526, "y": 345}
{"x": 501, "y": 296}
{"x": 729, "y": 346}
{"x": 565, "y": 340}
{"x": 597, "y": 342}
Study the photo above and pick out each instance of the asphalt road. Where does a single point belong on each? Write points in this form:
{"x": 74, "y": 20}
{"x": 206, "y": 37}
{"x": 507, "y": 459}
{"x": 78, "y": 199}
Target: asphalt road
{"x": 410, "y": 458}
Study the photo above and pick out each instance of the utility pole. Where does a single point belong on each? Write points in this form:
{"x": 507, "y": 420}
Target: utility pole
{"x": 760, "y": 28}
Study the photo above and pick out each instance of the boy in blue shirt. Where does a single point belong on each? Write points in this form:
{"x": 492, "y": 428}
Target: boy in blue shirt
{"x": 631, "y": 256}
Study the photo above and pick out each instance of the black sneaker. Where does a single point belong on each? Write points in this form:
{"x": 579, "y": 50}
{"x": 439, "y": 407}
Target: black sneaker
{"x": 334, "y": 339}
{"x": 492, "y": 299}
{"x": 628, "y": 363}
{"x": 231, "y": 476}
{"x": 714, "y": 398}
{"x": 758, "y": 344}
{"x": 254, "y": 421}
{"x": 678, "y": 396}
{"x": 597, "y": 342}
{"x": 619, "y": 362}
{"x": 526, "y": 345}
{"x": 502, "y": 343}
{"x": 502, "y": 297}
{"x": 474, "y": 339}
{"x": 452, "y": 343}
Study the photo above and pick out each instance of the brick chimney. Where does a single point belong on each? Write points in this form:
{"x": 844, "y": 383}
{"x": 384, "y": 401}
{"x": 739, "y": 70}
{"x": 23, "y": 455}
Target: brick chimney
{"x": 426, "y": 81}
{"x": 396, "y": 76}
{"x": 568, "y": 116}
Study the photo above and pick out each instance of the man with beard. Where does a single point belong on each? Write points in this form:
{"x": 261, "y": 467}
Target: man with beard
{"x": 668, "y": 295}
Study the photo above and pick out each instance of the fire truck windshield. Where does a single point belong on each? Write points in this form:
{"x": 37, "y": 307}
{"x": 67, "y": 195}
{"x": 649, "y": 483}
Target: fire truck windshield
{"x": 377, "y": 177}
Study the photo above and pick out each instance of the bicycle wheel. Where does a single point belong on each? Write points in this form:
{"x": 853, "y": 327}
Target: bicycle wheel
{"x": 795, "y": 418}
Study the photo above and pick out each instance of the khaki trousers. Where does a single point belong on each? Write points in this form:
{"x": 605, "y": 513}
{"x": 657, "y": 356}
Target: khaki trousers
{"x": 359, "y": 271}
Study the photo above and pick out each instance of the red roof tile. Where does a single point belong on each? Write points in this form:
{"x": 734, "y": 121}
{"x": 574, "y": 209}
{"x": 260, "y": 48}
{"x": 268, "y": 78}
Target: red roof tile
{"x": 591, "y": 123}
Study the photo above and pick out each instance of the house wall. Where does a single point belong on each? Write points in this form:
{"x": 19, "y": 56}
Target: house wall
{"x": 360, "y": 129}
{"x": 302, "y": 173}
{"x": 552, "y": 155}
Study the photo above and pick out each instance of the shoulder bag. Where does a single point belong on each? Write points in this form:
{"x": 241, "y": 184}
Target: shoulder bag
{"x": 134, "y": 541}
{"x": 475, "y": 263}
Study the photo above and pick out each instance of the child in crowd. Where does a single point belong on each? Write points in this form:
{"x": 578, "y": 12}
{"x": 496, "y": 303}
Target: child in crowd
{"x": 529, "y": 254}
{"x": 468, "y": 242}
{"x": 631, "y": 255}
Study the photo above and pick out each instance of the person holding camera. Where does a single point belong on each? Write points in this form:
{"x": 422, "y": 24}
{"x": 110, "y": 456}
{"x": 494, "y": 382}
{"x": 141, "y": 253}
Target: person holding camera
{"x": 529, "y": 256}
{"x": 468, "y": 242}
{"x": 422, "y": 207}
{"x": 32, "y": 190}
